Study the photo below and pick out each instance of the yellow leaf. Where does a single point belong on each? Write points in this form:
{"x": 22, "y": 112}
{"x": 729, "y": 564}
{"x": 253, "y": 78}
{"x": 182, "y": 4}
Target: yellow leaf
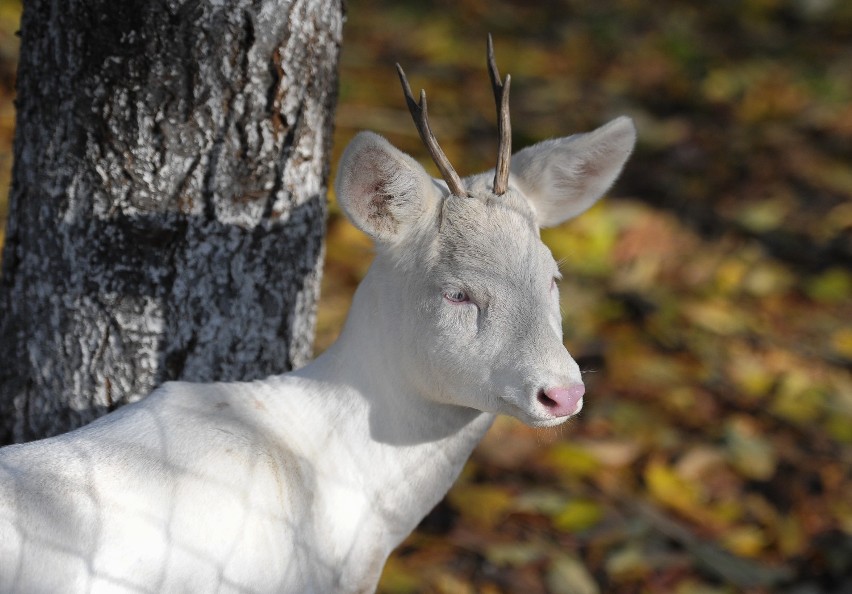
{"x": 722, "y": 85}
{"x": 750, "y": 374}
{"x": 832, "y": 286}
{"x": 670, "y": 489}
{"x": 791, "y": 537}
{"x": 398, "y": 579}
{"x": 745, "y": 541}
{"x": 798, "y": 399}
{"x": 486, "y": 505}
{"x": 578, "y": 515}
{"x": 840, "y": 428}
{"x": 585, "y": 244}
{"x": 842, "y": 511}
{"x": 841, "y": 341}
{"x": 572, "y": 460}
{"x": 730, "y": 275}
{"x": 718, "y": 317}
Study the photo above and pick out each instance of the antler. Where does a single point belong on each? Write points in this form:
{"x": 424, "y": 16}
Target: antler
{"x": 504, "y": 126}
{"x": 421, "y": 120}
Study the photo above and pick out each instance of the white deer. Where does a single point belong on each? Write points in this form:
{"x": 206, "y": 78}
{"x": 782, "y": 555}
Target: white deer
{"x": 306, "y": 481}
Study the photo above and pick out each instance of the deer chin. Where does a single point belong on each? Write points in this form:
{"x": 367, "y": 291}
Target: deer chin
{"x": 544, "y": 424}
{"x": 539, "y": 418}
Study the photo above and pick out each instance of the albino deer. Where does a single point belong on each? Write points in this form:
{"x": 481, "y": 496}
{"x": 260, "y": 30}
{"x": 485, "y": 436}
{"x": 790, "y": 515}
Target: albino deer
{"x": 306, "y": 481}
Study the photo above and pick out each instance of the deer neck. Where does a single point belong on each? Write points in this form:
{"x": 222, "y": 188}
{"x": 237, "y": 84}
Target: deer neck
{"x": 410, "y": 449}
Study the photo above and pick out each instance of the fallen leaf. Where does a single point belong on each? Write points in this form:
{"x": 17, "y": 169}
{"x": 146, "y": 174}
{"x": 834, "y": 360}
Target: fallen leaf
{"x": 627, "y": 563}
{"x": 746, "y": 541}
{"x": 841, "y": 342}
{"x": 568, "y": 575}
{"x": 764, "y": 215}
{"x": 513, "y": 554}
{"x": 447, "y": 583}
{"x": 585, "y": 244}
{"x": 398, "y": 579}
{"x": 748, "y": 451}
{"x": 790, "y": 537}
{"x": 578, "y": 515}
{"x": 571, "y": 459}
{"x": 671, "y": 489}
{"x": 799, "y": 398}
{"x": 750, "y": 373}
{"x": 768, "y": 278}
{"x": 718, "y": 317}
{"x": 832, "y": 286}
{"x": 545, "y": 502}
{"x": 486, "y": 505}
{"x": 613, "y": 453}
{"x": 700, "y": 461}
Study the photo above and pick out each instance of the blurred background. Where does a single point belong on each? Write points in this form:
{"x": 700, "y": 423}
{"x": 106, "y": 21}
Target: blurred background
{"x": 708, "y": 298}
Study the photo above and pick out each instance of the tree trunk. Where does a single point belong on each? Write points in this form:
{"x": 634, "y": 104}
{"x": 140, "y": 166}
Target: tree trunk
{"x": 168, "y": 199}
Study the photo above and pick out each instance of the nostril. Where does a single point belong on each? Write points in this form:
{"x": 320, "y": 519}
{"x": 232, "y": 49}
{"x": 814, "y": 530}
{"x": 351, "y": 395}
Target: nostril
{"x": 562, "y": 401}
{"x": 546, "y": 400}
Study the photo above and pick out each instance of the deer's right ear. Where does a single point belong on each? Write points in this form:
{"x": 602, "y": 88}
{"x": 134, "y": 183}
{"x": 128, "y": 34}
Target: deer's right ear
{"x": 381, "y": 189}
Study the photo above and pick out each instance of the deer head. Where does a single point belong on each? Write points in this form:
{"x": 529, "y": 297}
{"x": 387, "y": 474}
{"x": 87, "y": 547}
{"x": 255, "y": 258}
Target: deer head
{"x": 467, "y": 292}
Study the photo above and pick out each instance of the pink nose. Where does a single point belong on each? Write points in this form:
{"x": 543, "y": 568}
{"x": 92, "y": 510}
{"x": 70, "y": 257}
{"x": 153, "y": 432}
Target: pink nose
{"x": 564, "y": 400}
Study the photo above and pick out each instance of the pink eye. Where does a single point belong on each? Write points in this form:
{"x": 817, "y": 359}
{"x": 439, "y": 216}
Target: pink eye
{"x": 456, "y": 296}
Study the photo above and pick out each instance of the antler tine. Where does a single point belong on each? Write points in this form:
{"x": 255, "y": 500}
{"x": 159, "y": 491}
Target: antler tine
{"x": 504, "y": 125}
{"x": 421, "y": 121}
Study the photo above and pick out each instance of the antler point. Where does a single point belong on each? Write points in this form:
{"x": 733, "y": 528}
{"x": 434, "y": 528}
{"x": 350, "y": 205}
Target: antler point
{"x": 421, "y": 121}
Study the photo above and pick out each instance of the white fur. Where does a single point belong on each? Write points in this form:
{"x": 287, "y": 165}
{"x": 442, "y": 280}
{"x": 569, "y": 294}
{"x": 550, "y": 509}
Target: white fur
{"x": 565, "y": 176}
{"x": 305, "y": 482}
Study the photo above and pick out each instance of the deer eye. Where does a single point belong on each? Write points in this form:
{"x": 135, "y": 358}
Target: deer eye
{"x": 456, "y": 296}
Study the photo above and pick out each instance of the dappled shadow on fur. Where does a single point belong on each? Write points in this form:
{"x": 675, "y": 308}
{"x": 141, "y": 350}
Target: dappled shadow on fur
{"x": 194, "y": 522}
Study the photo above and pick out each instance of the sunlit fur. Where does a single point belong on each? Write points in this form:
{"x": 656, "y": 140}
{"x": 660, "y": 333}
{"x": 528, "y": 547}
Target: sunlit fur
{"x": 305, "y": 482}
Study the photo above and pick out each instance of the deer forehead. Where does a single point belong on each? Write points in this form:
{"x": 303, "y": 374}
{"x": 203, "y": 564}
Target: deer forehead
{"x": 487, "y": 238}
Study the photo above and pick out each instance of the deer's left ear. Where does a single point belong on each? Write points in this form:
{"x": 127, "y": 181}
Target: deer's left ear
{"x": 563, "y": 177}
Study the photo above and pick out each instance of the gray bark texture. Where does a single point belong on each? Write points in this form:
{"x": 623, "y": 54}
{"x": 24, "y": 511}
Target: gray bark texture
{"x": 168, "y": 199}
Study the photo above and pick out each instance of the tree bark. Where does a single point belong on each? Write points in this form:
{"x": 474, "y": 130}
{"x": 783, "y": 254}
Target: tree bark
{"x": 168, "y": 199}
